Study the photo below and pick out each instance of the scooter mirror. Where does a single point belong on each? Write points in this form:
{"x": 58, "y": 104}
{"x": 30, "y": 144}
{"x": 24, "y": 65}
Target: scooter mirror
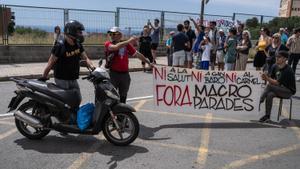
{"x": 100, "y": 62}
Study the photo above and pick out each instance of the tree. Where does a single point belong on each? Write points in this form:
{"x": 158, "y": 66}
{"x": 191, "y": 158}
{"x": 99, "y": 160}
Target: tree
{"x": 252, "y": 23}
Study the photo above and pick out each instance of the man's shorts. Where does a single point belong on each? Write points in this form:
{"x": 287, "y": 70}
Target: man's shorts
{"x": 189, "y": 56}
{"x": 179, "y": 58}
{"x": 154, "y": 46}
{"x": 212, "y": 56}
{"x": 220, "y": 56}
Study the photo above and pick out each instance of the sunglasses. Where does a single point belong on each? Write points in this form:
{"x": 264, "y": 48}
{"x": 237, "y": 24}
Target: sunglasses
{"x": 114, "y": 33}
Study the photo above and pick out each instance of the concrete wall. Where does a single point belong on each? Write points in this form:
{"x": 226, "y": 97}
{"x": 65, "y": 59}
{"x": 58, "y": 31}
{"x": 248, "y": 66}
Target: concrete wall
{"x": 23, "y": 54}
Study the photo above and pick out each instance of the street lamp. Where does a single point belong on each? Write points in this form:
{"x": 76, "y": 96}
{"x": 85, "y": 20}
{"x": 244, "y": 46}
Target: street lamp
{"x": 203, "y": 2}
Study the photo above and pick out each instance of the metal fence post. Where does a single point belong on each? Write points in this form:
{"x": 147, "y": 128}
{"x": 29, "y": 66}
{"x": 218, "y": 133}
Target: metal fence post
{"x": 261, "y": 20}
{"x": 66, "y": 16}
{"x": 117, "y": 17}
{"x": 162, "y": 25}
{"x": 5, "y": 33}
{"x": 2, "y": 23}
{"x": 233, "y": 17}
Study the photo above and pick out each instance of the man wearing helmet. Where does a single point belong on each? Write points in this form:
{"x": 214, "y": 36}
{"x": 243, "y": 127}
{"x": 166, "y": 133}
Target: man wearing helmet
{"x": 118, "y": 52}
{"x": 65, "y": 57}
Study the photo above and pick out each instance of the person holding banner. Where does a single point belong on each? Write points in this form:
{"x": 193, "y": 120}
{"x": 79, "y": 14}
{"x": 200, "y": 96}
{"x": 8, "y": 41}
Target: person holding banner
{"x": 118, "y": 68}
{"x": 281, "y": 83}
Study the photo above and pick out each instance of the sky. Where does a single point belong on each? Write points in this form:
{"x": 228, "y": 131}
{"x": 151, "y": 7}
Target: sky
{"x": 217, "y": 7}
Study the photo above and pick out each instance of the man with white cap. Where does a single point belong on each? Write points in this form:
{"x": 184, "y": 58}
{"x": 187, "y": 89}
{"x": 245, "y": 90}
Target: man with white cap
{"x": 118, "y": 52}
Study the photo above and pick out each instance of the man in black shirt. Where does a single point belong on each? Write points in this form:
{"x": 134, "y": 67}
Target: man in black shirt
{"x": 180, "y": 42}
{"x": 65, "y": 57}
{"x": 192, "y": 36}
{"x": 281, "y": 83}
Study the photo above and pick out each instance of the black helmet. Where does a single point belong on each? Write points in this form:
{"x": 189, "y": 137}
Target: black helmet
{"x": 72, "y": 27}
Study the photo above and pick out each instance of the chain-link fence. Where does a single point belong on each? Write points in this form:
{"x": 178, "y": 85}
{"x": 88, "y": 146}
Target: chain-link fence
{"x": 243, "y": 17}
{"x": 95, "y": 22}
{"x": 35, "y": 25}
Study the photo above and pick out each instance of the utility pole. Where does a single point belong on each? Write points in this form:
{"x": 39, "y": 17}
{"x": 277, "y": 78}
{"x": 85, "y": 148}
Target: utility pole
{"x": 203, "y": 2}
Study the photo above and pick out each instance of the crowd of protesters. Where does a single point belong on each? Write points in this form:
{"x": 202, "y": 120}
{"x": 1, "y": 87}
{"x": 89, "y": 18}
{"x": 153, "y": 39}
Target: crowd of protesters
{"x": 209, "y": 46}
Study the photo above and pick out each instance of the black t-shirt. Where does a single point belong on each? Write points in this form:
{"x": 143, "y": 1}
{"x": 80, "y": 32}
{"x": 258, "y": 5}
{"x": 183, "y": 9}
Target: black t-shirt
{"x": 179, "y": 41}
{"x": 272, "y": 51}
{"x": 285, "y": 77}
{"x": 249, "y": 45}
{"x": 191, "y": 35}
{"x": 67, "y": 65}
{"x": 145, "y": 44}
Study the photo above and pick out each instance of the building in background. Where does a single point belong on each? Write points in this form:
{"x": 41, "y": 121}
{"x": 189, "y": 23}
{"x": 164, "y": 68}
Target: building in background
{"x": 289, "y": 8}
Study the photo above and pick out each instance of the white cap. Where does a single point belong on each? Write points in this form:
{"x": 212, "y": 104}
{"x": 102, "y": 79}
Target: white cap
{"x": 221, "y": 30}
{"x": 172, "y": 32}
{"x": 114, "y": 29}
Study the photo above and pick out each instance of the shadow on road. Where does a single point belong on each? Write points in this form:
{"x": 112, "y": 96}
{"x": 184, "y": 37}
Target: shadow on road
{"x": 148, "y": 133}
{"x": 81, "y": 144}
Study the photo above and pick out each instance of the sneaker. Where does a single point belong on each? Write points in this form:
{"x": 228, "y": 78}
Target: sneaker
{"x": 264, "y": 119}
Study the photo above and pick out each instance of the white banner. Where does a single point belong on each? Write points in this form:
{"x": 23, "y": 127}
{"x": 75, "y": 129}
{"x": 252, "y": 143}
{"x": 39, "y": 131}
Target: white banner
{"x": 191, "y": 90}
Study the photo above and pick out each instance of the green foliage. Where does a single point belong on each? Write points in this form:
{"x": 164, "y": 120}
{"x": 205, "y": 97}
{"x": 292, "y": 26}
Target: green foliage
{"x": 28, "y": 30}
{"x": 255, "y": 32}
{"x": 274, "y": 25}
{"x": 252, "y": 23}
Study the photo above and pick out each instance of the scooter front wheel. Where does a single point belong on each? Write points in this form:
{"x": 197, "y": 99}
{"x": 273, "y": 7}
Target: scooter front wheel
{"x": 126, "y": 130}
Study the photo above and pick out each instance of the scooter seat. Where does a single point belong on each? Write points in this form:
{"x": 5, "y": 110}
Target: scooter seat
{"x": 67, "y": 96}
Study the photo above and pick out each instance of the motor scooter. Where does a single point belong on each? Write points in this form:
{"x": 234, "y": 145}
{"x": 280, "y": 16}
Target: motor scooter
{"x": 47, "y": 105}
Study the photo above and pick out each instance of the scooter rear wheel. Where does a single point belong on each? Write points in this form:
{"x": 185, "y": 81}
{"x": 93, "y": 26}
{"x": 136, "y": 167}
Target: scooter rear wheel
{"x": 25, "y": 129}
{"x": 128, "y": 128}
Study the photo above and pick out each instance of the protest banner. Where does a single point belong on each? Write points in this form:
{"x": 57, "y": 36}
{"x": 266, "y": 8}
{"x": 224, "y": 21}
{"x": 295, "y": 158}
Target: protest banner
{"x": 190, "y": 90}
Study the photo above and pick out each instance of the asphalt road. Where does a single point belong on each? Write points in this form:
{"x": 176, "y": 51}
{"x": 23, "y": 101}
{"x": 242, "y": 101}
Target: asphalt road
{"x": 167, "y": 140}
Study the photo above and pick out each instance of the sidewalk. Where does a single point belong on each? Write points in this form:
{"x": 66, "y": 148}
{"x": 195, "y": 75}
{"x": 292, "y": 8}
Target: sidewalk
{"x": 35, "y": 70}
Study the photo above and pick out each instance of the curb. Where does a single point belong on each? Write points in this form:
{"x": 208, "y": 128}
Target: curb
{"x": 35, "y": 76}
